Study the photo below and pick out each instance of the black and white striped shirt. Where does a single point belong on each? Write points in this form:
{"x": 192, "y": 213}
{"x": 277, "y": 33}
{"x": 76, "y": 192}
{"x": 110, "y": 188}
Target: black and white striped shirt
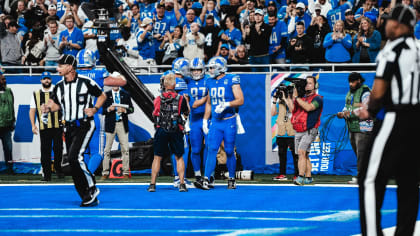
{"x": 75, "y": 96}
{"x": 398, "y": 63}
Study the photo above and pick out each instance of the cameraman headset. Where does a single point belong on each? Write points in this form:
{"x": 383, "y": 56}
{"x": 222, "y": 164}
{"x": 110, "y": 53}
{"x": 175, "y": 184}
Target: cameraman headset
{"x": 285, "y": 133}
{"x": 306, "y": 113}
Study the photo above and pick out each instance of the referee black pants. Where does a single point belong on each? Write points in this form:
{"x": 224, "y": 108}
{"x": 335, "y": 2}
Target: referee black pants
{"x": 78, "y": 136}
{"x": 393, "y": 154}
{"x": 51, "y": 138}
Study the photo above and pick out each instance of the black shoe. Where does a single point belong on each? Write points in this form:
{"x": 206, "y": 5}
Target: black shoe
{"x": 152, "y": 188}
{"x": 95, "y": 202}
{"x": 198, "y": 183}
{"x": 205, "y": 184}
{"x": 183, "y": 188}
{"x": 211, "y": 182}
{"x": 231, "y": 184}
{"x": 45, "y": 179}
{"x": 91, "y": 197}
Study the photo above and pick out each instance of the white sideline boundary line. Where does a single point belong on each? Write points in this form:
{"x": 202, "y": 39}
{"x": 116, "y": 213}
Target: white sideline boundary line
{"x": 229, "y": 232}
{"x": 164, "y": 184}
{"x": 176, "y": 210}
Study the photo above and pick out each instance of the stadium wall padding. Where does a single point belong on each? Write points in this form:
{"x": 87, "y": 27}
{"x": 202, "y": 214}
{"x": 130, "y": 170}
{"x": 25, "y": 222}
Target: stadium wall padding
{"x": 251, "y": 145}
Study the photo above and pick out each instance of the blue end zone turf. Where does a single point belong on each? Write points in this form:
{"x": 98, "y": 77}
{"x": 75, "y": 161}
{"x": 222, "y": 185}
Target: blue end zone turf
{"x": 250, "y": 210}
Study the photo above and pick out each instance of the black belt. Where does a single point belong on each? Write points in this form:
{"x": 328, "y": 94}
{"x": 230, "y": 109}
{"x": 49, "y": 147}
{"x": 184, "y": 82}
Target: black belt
{"x": 77, "y": 123}
{"x": 119, "y": 120}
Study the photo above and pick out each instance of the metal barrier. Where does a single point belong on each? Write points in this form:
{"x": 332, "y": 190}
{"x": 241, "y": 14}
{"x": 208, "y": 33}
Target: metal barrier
{"x": 272, "y": 68}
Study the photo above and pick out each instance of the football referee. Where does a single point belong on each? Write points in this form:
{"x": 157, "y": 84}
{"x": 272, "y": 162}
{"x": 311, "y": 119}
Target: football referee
{"x": 393, "y": 153}
{"x": 74, "y": 96}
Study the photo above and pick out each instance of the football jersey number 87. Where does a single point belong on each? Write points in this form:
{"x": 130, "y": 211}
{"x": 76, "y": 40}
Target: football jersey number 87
{"x": 217, "y": 95}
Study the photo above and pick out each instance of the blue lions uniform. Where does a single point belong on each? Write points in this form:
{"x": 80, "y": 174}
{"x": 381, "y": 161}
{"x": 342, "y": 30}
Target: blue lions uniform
{"x": 196, "y": 91}
{"x": 223, "y": 125}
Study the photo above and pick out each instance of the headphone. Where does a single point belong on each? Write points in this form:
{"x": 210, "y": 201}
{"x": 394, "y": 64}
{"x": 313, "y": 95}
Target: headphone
{"x": 316, "y": 86}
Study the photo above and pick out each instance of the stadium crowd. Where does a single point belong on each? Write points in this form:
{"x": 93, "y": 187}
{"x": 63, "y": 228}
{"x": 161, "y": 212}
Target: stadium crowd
{"x": 37, "y": 32}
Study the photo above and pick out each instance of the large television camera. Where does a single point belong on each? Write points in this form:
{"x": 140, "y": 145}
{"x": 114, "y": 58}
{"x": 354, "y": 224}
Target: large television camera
{"x": 100, "y": 12}
{"x": 286, "y": 89}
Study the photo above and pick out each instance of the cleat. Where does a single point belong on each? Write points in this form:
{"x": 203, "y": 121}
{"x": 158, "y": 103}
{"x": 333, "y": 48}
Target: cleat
{"x": 95, "y": 202}
{"x": 183, "y": 188}
{"x": 231, "y": 184}
{"x": 212, "y": 182}
{"x": 198, "y": 183}
{"x": 308, "y": 180}
{"x": 188, "y": 183}
{"x": 176, "y": 182}
{"x": 92, "y": 197}
{"x": 299, "y": 180}
{"x": 152, "y": 188}
{"x": 295, "y": 177}
{"x": 280, "y": 178}
{"x": 205, "y": 184}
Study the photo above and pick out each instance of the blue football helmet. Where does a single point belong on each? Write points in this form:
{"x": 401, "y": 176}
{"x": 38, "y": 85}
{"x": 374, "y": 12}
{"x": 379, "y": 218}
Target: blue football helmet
{"x": 216, "y": 66}
{"x": 85, "y": 58}
{"x": 181, "y": 66}
{"x": 197, "y": 64}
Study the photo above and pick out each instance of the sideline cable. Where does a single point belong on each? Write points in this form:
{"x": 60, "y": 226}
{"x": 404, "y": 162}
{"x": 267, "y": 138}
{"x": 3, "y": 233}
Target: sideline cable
{"x": 343, "y": 135}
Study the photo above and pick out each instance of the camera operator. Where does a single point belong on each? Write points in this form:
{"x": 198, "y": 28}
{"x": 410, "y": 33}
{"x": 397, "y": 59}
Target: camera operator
{"x": 306, "y": 113}
{"x": 284, "y": 133}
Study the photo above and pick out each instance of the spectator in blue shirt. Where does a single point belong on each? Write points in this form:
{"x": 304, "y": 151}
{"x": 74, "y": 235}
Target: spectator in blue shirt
{"x": 337, "y": 44}
{"x": 145, "y": 42}
{"x": 367, "y": 9}
{"x": 272, "y": 10}
{"x": 232, "y": 35}
{"x": 278, "y": 40}
{"x": 366, "y": 43}
{"x": 298, "y": 15}
{"x": 71, "y": 40}
{"x": 188, "y": 19}
{"x": 146, "y": 9}
{"x": 161, "y": 25}
{"x": 338, "y": 12}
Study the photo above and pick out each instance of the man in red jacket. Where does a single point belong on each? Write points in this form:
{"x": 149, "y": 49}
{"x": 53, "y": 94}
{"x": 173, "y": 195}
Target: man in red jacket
{"x": 169, "y": 135}
{"x": 306, "y": 114}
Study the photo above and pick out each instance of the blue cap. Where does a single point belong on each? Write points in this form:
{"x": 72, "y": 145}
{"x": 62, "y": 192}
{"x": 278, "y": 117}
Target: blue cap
{"x": 45, "y": 74}
{"x": 196, "y": 5}
{"x": 224, "y": 46}
{"x": 224, "y": 3}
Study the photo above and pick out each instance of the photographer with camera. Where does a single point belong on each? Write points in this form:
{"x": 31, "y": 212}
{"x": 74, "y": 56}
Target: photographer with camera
{"x": 306, "y": 106}
{"x": 284, "y": 133}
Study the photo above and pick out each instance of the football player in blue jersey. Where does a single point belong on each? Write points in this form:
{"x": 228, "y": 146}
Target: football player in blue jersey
{"x": 197, "y": 94}
{"x": 223, "y": 98}
{"x": 180, "y": 67}
{"x": 86, "y": 66}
